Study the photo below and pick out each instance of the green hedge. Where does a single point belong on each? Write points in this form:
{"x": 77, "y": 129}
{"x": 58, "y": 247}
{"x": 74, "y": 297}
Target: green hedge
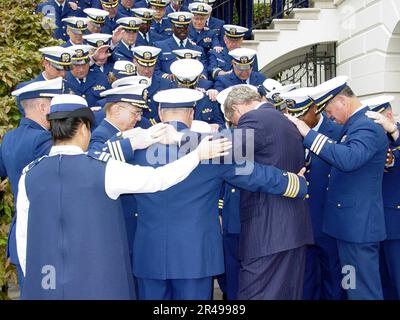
{"x": 21, "y": 35}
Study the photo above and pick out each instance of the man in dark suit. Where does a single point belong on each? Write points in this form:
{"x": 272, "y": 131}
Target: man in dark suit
{"x": 274, "y": 230}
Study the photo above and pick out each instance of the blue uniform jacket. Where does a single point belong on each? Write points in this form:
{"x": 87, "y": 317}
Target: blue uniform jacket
{"x": 317, "y": 174}
{"x": 167, "y": 57}
{"x": 163, "y": 28}
{"x": 96, "y": 82}
{"x": 141, "y": 40}
{"x": 171, "y": 10}
{"x": 107, "y": 68}
{"x": 217, "y": 25}
{"x": 127, "y": 12}
{"x": 52, "y": 8}
{"x": 178, "y": 234}
{"x": 111, "y": 24}
{"x": 228, "y": 80}
{"x": 230, "y": 209}
{"x": 20, "y": 147}
{"x": 122, "y": 52}
{"x": 84, "y": 241}
{"x": 209, "y": 111}
{"x": 222, "y": 61}
{"x": 157, "y": 84}
{"x": 354, "y": 204}
{"x": 391, "y": 197}
{"x": 206, "y": 38}
{"x": 104, "y": 132}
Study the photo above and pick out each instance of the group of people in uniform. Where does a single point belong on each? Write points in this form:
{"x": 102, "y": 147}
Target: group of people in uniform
{"x": 104, "y": 212}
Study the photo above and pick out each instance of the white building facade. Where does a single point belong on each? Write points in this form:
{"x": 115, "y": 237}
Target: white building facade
{"x": 364, "y": 33}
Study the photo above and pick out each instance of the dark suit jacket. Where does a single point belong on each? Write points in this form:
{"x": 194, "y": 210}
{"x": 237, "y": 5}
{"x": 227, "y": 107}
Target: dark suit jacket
{"x": 271, "y": 224}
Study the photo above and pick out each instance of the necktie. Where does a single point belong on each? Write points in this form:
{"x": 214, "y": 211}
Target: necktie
{"x": 81, "y": 81}
{"x": 181, "y": 45}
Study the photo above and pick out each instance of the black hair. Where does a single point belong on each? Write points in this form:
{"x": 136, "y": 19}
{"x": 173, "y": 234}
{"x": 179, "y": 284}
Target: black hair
{"x": 65, "y": 129}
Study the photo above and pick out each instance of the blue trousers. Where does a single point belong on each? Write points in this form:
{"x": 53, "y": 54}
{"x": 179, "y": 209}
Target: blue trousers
{"x": 364, "y": 257}
{"x": 391, "y": 253}
{"x": 175, "y": 289}
{"x": 232, "y": 265}
{"x": 323, "y": 277}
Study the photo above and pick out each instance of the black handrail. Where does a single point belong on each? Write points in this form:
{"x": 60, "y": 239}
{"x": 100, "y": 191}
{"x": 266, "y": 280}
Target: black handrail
{"x": 256, "y": 14}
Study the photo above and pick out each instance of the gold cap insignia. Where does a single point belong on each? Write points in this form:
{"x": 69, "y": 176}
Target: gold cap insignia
{"x": 147, "y": 55}
{"x": 80, "y": 24}
{"x": 66, "y": 57}
{"x": 290, "y": 103}
{"x": 79, "y": 53}
{"x": 130, "y": 68}
{"x": 276, "y": 97}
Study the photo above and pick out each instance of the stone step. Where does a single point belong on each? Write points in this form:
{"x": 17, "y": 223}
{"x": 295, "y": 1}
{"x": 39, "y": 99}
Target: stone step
{"x": 324, "y": 4}
{"x": 285, "y": 24}
{"x": 266, "y": 35}
{"x": 250, "y": 44}
{"x": 305, "y": 13}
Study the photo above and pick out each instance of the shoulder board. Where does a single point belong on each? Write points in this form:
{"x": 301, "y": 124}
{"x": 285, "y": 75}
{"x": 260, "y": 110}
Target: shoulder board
{"x": 99, "y": 155}
{"x": 32, "y": 164}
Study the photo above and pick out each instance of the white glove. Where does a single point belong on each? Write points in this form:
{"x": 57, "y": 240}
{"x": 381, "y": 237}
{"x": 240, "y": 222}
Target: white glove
{"x": 379, "y": 118}
{"x": 131, "y": 133}
{"x": 209, "y": 149}
{"x": 143, "y": 138}
{"x": 388, "y": 125}
{"x": 303, "y": 128}
{"x": 171, "y": 136}
{"x": 212, "y": 94}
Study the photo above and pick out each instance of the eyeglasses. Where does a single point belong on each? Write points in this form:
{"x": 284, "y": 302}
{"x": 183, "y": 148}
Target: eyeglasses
{"x": 134, "y": 113}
